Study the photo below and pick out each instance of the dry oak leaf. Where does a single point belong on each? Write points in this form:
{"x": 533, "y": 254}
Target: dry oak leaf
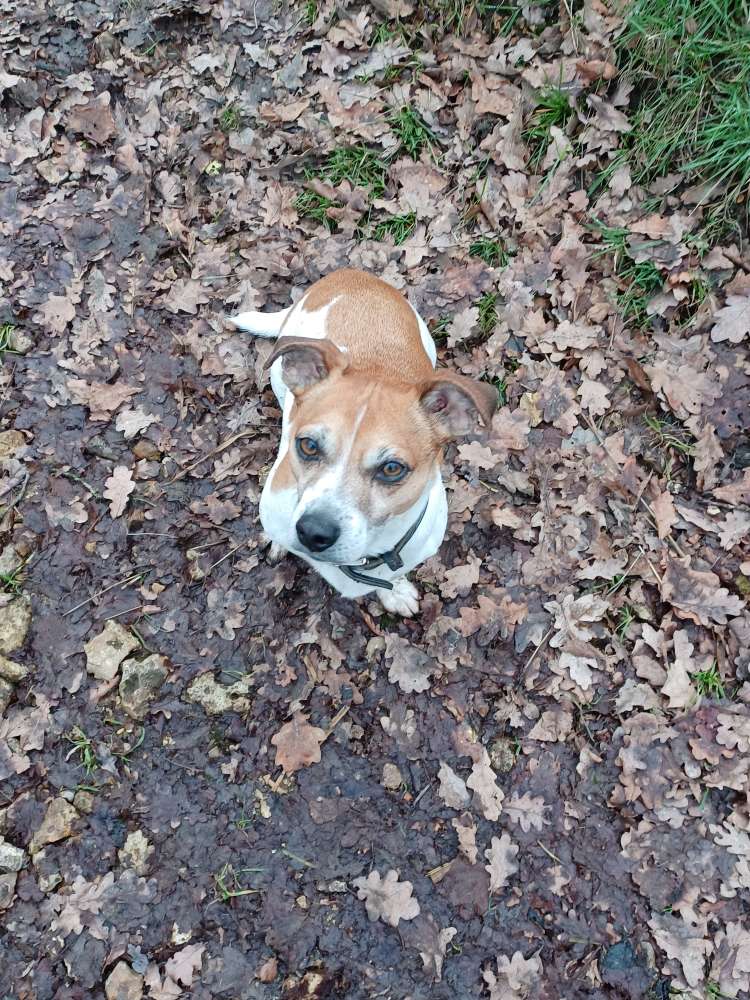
{"x": 733, "y": 321}
{"x": 684, "y": 942}
{"x": 81, "y": 897}
{"x": 93, "y": 119}
{"x": 410, "y": 667}
{"x": 735, "y": 528}
{"x": 158, "y": 990}
{"x": 571, "y": 615}
{"x": 183, "y": 965}
{"x": 528, "y": 811}
{"x": 553, "y": 726}
{"x": 452, "y": 788}
{"x": 678, "y": 687}
{"x": 664, "y": 513}
{"x": 387, "y": 899}
{"x": 118, "y": 488}
{"x": 487, "y": 793}
{"x": 736, "y": 492}
{"x": 697, "y": 596}
{"x": 297, "y": 744}
{"x": 430, "y": 941}
{"x": 477, "y": 455}
{"x": 101, "y": 398}
{"x": 461, "y": 579}
{"x": 730, "y": 967}
{"x": 466, "y": 832}
{"x": 509, "y": 432}
{"x": 501, "y": 856}
{"x": 516, "y": 977}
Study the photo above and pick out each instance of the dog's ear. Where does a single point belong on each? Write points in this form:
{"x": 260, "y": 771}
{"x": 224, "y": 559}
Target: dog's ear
{"x": 453, "y": 403}
{"x": 307, "y": 361}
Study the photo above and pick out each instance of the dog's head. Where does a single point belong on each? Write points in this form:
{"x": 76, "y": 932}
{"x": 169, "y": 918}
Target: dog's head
{"x": 363, "y": 451}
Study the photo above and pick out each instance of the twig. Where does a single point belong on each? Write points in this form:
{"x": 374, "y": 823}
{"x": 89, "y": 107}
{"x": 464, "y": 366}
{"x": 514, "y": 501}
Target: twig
{"x": 226, "y": 556}
{"x": 335, "y": 721}
{"x": 538, "y": 649}
{"x": 214, "y": 451}
{"x": 424, "y": 791}
{"x": 120, "y": 613}
{"x": 117, "y": 583}
{"x": 549, "y": 853}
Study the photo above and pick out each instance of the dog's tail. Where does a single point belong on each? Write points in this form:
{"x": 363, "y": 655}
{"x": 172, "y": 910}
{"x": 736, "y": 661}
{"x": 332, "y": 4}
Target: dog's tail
{"x": 259, "y": 323}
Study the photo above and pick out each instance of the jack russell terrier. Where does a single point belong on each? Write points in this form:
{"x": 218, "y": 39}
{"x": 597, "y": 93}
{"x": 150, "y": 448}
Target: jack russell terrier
{"x": 356, "y": 489}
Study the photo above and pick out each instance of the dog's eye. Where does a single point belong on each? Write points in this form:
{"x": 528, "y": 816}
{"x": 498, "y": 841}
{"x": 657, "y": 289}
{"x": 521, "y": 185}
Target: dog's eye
{"x": 391, "y": 472}
{"x": 308, "y": 448}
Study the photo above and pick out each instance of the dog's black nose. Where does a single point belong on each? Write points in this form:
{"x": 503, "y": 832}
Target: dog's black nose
{"x": 317, "y": 532}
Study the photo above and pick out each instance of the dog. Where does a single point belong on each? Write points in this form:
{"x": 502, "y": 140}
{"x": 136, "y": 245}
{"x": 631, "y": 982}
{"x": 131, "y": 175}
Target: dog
{"x": 356, "y": 490}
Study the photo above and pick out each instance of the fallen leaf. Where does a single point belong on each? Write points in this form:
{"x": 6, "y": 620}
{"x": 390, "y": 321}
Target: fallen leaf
{"x": 732, "y": 323}
{"x": 410, "y": 667}
{"x": 387, "y": 899}
{"x": 183, "y": 965}
{"x": 527, "y": 810}
{"x": 297, "y": 744}
{"x": 487, "y": 793}
{"x": 516, "y": 977}
{"x": 697, "y": 595}
{"x": 466, "y": 832}
{"x": 664, "y": 513}
{"x": 117, "y": 489}
{"x": 501, "y": 856}
{"x": 452, "y": 789}
{"x": 678, "y": 687}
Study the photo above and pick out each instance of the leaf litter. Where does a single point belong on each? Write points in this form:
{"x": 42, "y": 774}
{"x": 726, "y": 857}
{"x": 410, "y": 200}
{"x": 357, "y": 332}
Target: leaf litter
{"x": 566, "y": 725}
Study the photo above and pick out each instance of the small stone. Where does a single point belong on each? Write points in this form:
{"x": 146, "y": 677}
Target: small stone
{"x": 140, "y": 683}
{"x": 83, "y": 801}
{"x": 392, "y": 777}
{"x": 303, "y": 902}
{"x": 105, "y": 653}
{"x": 146, "y": 449}
{"x": 267, "y": 972}
{"x": 10, "y": 443}
{"x": 135, "y": 853}
{"x": 11, "y": 671}
{"x": 11, "y": 857}
{"x": 6, "y": 693}
{"x": 216, "y": 698}
{"x": 15, "y": 619}
{"x": 7, "y": 889}
{"x": 56, "y": 825}
{"x": 123, "y": 984}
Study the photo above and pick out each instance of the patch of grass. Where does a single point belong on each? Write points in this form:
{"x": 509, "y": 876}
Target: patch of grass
{"x": 552, "y": 110}
{"x": 627, "y": 617}
{"x": 359, "y": 165}
{"x": 213, "y": 169}
{"x": 12, "y": 583}
{"x": 501, "y": 384}
{"x": 229, "y": 885}
{"x": 81, "y": 744}
{"x": 230, "y": 118}
{"x": 709, "y": 682}
{"x": 411, "y": 130}
{"x": 690, "y": 63}
{"x": 439, "y": 331}
{"x": 398, "y": 227}
{"x": 487, "y": 306}
{"x": 668, "y": 434}
{"x": 312, "y": 205}
{"x": 6, "y": 336}
{"x": 639, "y": 281}
{"x": 310, "y": 13}
{"x": 490, "y": 250}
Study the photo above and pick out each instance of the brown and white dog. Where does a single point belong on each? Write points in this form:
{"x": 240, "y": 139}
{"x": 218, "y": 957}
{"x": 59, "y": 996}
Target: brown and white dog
{"x": 356, "y": 489}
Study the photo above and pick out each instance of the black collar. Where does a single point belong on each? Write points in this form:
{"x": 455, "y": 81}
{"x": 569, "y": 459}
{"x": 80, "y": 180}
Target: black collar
{"x": 392, "y": 559}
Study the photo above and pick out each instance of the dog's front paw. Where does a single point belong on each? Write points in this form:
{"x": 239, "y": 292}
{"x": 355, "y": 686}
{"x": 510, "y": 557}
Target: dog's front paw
{"x": 275, "y": 553}
{"x": 402, "y": 600}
